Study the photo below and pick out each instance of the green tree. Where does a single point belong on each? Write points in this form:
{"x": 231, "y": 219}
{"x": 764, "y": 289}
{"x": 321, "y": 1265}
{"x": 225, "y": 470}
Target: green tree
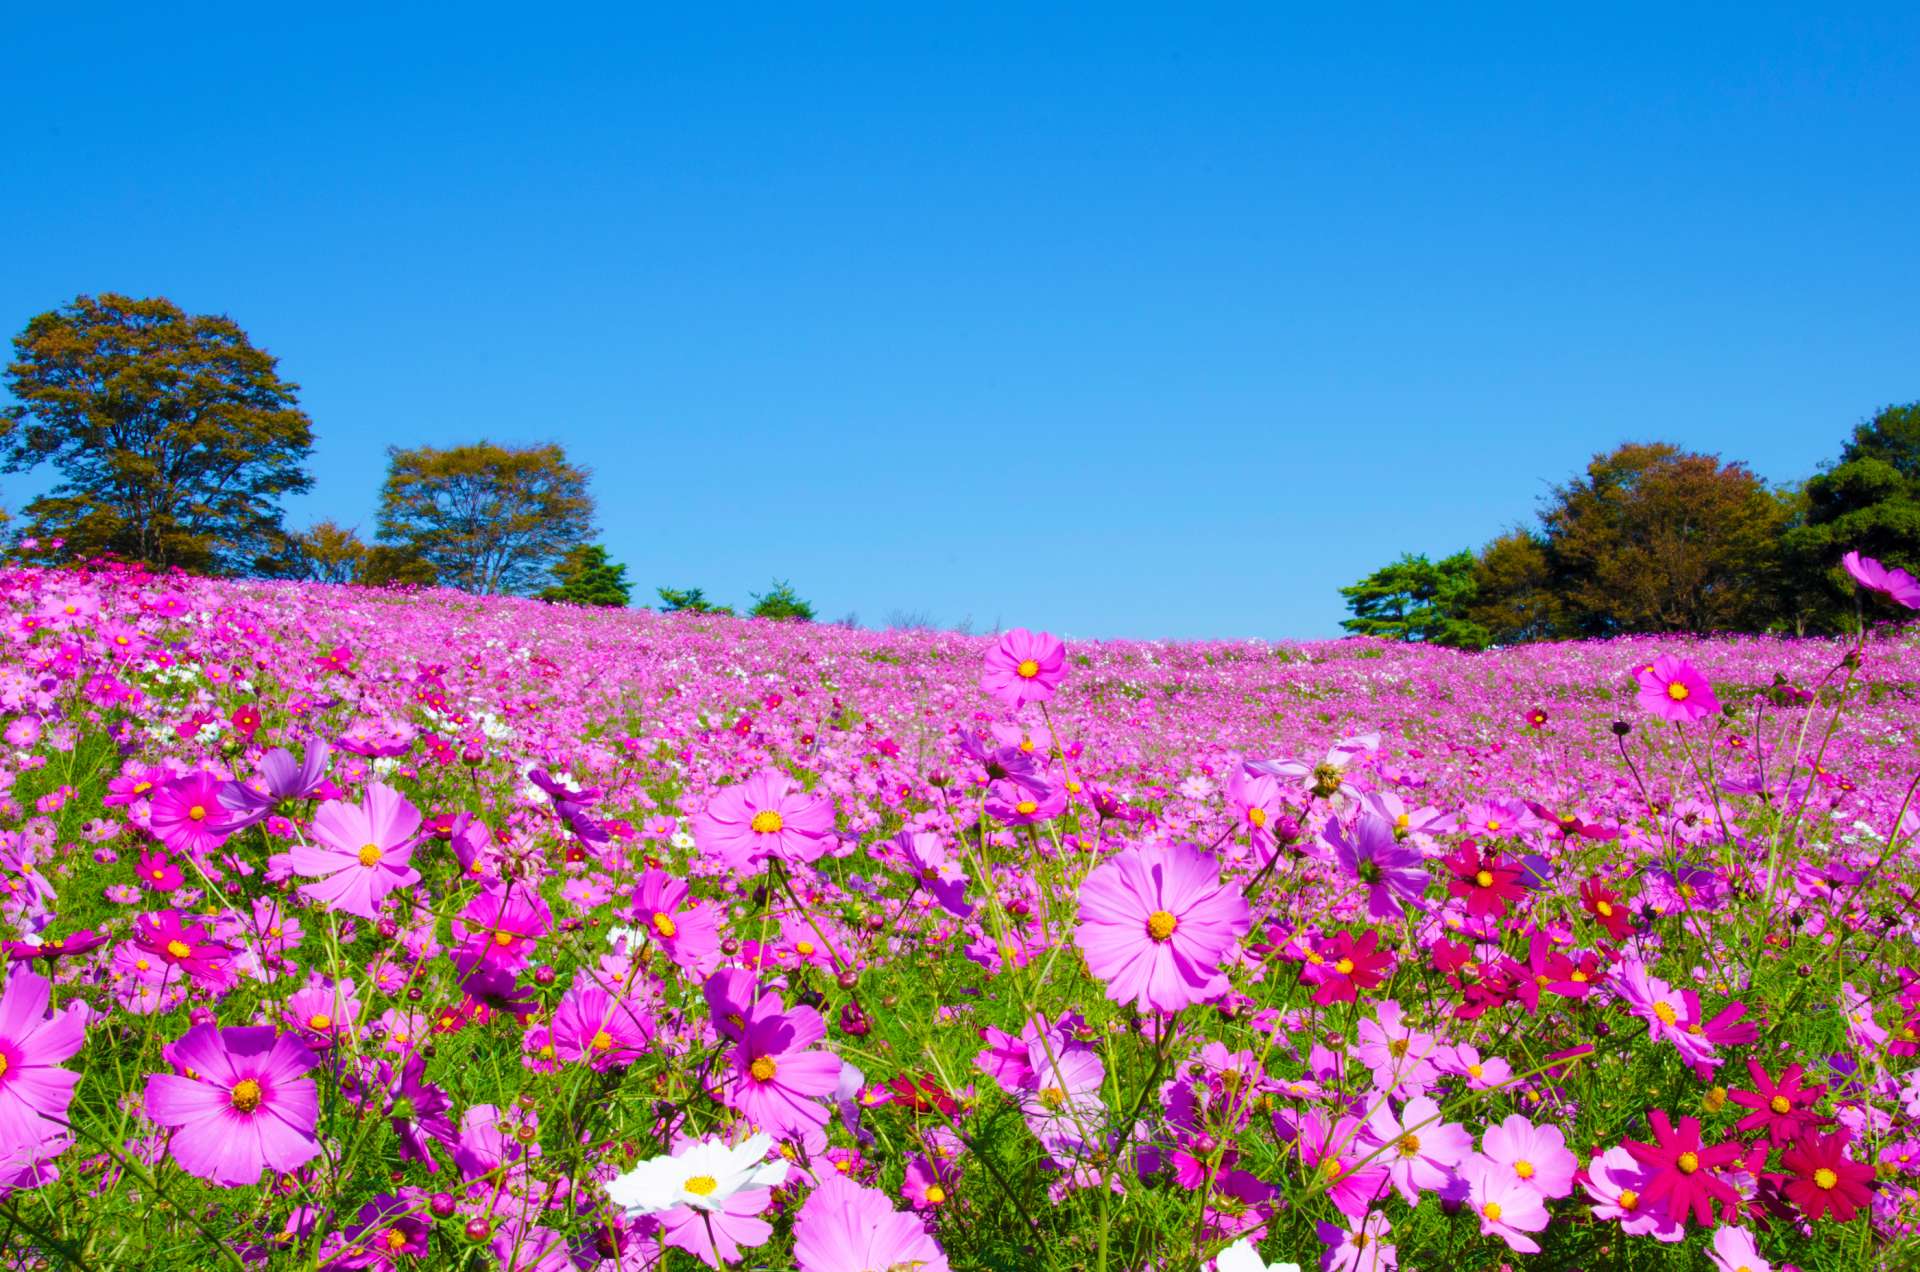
{"x": 779, "y": 601}
{"x": 1869, "y": 501}
{"x": 691, "y": 600}
{"x": 584, "y": 576}
{"x": 385, "y": 565}
{"x": 486, "y": 518}
{"x": 1514, "y": 597}
{"x": 327, "y": 552}
{"x": 175, "y": 438}
{"x": 1656, "y": 539}
{"x": 1415, "y": 599}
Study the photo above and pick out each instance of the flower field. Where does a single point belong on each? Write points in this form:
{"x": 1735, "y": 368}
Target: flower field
{"x": 360, "y": 929}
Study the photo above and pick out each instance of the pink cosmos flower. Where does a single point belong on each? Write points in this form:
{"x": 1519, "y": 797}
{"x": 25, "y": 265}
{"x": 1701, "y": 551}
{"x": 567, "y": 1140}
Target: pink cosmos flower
{"x": 1343, "y": 1157}
{"x": 765, "y": 817}
{"x": 1617, "y": 1185}
{"x": 362, "y": 851}
{"x": 34, "y": 1092}
{"x": 1733, "y": 1250}
{"x": 773, "y": 1077}
{"x": 1422, "y": 1150}
{"x": 1891, "y": 582}
{"x": 1155, "y": 924}
{"x": 249, "y": 1105}
{"x": 844, "y": 1226}
{"x": 593, "y": 1026}
{"x": 1536, "y": 1156}
{"x": 500, "y": 927}
{"x": 1506, "y": 1207}
{"x": 1672, "y": 689}
{"x": 1022, "y": 667}
{"x": 188, "y": 816}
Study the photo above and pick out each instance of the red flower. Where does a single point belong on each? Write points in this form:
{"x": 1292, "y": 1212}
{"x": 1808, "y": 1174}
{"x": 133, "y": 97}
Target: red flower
{"x": 1607, "y": 909}
{"x": 1782, "y": 1109}
{"x": 1681, "y": 1169}
{"x": 923, "y": 1096}
{"x": 1826, "y": 1178}
{"x": 1343, "y": 966}
{"x": 1537, "y": 718}
{"x": 1487, "y": 885}
{"x": 246, "y": 720}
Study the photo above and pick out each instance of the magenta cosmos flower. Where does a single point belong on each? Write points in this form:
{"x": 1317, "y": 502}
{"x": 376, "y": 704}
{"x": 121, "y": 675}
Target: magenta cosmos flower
{"x": 188, "y": 817}
{"x": 1887, "y": 580}
{"x": 1673, "y": 690}
{"x": 248, "y": 1105}
{"x": 34, "y": 1093}
{"x": 765, "y": 817}
{"x": 1022, "y": 667}
{"x": 1154, "y": 926}
{"x": 361, "y": 851}
{"x": 774, "y": 1079}
{"x": 844, "y": 1226}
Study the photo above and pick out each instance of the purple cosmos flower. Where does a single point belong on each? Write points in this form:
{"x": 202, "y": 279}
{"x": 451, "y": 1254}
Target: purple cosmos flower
{"x": 361, "y": 851}
{"x": 843, "y": 1226}
{"x": 1891, "y": 582}
{"x": 249, "y": 1105}
{"x": 765, "y": 817}
{"x": 773, "y": 1077}
{"x": 34, "y": 1091}
{"x": 1395, "y": 872}
{"x": 1155, "y": 924}
{"x": 188, "y": 816}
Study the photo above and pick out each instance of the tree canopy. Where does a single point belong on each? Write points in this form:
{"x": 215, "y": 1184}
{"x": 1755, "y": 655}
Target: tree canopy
{"x": 1414, "y": 599}
{"x": 780, "y": 601}
{"x": 486, "y": 518}
{"x": 688, "y": 600}
{"x": 174, "y": 436}
{"x": 587, "y": 576}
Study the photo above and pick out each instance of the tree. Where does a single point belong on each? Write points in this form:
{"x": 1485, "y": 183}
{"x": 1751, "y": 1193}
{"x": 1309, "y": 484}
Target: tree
{"x": 486, "y": 518}
{"x": 1657, "y": 539}
{"x": 1514, "y": 598}
{"x": 1868, "y": 502}
{"x": 585, "y": 576}
{"x": 780, "y": 602}
{"x": 175, "y": 437}
{"x": 388, "y": 566}
{"x": 691, "y": 600}
{"x": 1414, "y": 599}
{"x": 327, "y": 552}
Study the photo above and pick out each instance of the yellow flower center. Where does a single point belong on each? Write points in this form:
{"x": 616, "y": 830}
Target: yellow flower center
{"x": 763, "y": 1069}
{"x": 1474, "y": 1070}
{"x": 805, "y": 948}
{"x": 1629, "y": 1199}
{"x": 1026, "y": 808}
{"x": 1409, "y": 1146}
{"x": 1523, "y": 1168}
{"x": 935, "y": 1194}
{"x": 1160, "y": 925}
{"x": 1825, "y": 1179}
{"x": 1688, "y": 1163}
{"x": 395, "y": 1238}
{"x": 247, "y": 1095}
{"x": 1492, "y": 1211}
{"x": 603, "y": 1041}
{"x": 1677, "y": 691}
{"x": 197, "y": 813}
{"x": 664, "y": 926}
{"x": 1027, "y": 669}
{"x": 1604, "y": 909}
{"x": 701, "y": 1185}
{"x": 179, "y": 949}
{"x": 1398, "y": 1048}
{"x": 503, "y": 939}
{"x": 1780, "y": 1104}
{"x": 1686, "y": 891}
{"x": 1484, "y": 878}
{"x": 1666, "y": 1013}
{"x": 319, "y": 1020}
{"x": 1258, "y": 816}
{"x": 1344, "y": 967}
{"x": 1493, "y": 823}
{"x": 1053, "y": 1097}
{"x": 369, "y": 854}
{"x": 766, "y": 822}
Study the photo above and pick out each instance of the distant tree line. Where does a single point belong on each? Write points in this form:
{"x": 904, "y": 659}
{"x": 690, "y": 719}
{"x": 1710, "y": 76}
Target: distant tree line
{"x": 1654, "y": 538}
{"x": 175, "y": 440}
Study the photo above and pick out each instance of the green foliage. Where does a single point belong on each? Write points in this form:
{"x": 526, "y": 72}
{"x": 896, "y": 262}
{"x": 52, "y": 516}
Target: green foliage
{"x": 325, "y": 552}
{"x": 781, "y": 602}
{"x": 690, "y": 600}
{"x": 1514, "y": 592}
{"x": 1415, "y": 599}
{"x": 384, "y": 565}
{"x": 1870, "y": 502}
{"x": 585, "y": 576}
{"x": 174, "y": 436}
{"x": 486, "y": 518}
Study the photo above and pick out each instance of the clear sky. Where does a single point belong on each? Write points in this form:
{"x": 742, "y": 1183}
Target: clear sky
{"x": 1108, "y": 319}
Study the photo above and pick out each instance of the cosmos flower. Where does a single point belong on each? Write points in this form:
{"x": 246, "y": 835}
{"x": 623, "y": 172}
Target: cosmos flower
{"x": 1154, "y": 926}
{"x": 187, "y": 815}
{"x": 1395, "y": 875}
{"x": 361, "y": 852}
{"x": 1244, "y": 1256}
{"x": 1825, "y": 1180}
{"x": 247, "y": 1107}
{"x": 843, "y": 1226}
{"x": 1505, "y": 1206}
{"x": 775, "y": 1078}
{"x": 1536, "y": 1156}
{"x": 1733, "y": 1250}
{"x": 767, "y": 817}
{"x": 1672, "y": 689}
{"x": 1895, "y": 584}
{"x": 1022, "y": 667}
{"x": 1682, "y": 1170}
{"x": 34, "y": 1092}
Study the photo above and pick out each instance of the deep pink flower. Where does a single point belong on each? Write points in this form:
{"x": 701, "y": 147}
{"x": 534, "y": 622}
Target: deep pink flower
{"x": 593, "y": 1026}
{"x": 843, "y": 1226}
{"x": 1826, "y": 1179}
{"x": 361, "y": 851}
{"x": 168, "y": 936}
{"x": 765, "y": 817}
{"x": 1894, "y": 583}
{"x": 1783, "y": 1108}
{"x": 1682, "y": 1171}
{"x": 34, "y": 1092}
{"x": 500, "y": 927}
{"x": 245, "y": 1103}
{"x": 1022, "y": 667}
{"x": 1673, "y": 690}
{"x": 187, "y": 815}
{"x": 775, "y": 1079}
{"x": 1154, "y": 925}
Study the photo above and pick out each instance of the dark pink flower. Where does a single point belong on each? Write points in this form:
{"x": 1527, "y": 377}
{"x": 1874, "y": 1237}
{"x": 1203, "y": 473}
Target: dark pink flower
{"x": 1673, "y": 690}
{"x": 1022, "y": 667}
{"x": 243, "y": 1104}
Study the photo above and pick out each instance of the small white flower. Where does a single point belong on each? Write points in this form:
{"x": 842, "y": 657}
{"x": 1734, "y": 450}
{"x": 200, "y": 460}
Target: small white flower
{"x": 681, "y": 840}
{"x": 1241, "y": 1256}
{"x": 703, "y": 1175}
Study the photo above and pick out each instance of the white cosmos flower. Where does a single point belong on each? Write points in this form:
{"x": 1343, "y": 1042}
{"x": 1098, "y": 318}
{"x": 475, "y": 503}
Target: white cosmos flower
{"x": 703, "y": 1175}
{"x": 1241, "y": 1256}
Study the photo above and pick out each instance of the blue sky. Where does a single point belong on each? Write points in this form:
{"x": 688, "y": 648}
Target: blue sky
{"x": 1108, "y": 319}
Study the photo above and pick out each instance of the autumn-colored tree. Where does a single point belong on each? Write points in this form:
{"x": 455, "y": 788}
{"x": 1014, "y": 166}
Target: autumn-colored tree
{"x": 1656, "y": 539}
{"x": 486, "y": 518}
{"x": 1514, "y": 596}
{"x": 327, "y": 552}
{"x": 175, "y": 438}
{"x": 587, "y": 576}
{"x": 386, "y": 565}
{"x": 1868, "y": 502}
